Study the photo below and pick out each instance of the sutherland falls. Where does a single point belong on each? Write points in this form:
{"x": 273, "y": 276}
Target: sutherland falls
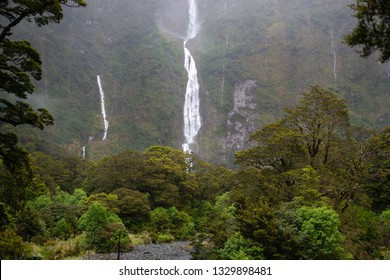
{"x": 192, "y": 121}
{"x": 105, "y": 121}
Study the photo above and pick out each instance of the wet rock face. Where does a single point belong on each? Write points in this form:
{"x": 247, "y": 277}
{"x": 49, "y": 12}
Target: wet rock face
{"x": 241, "y": 120}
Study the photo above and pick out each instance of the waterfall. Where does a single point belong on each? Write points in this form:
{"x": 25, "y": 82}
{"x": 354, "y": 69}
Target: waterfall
{"x": 192, "y": 121}
{"x": 334, "y": 59}
{"x": 84, "y": 150}
{"x": 105, "y": 121}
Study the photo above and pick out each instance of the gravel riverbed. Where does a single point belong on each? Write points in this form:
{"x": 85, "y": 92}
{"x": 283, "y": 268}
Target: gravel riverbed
{"x": 179, "y": 250}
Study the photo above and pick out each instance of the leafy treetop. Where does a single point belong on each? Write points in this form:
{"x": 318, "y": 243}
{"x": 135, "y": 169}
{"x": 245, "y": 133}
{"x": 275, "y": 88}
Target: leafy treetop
{"x": 373, "y": 29}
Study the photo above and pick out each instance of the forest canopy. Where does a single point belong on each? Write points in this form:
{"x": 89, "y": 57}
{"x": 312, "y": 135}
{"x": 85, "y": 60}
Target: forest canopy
{"x": 291, "y": 197}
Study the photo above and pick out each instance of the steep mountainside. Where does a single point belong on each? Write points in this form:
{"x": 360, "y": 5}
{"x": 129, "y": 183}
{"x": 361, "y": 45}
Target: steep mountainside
{"x": 254, "y": 58}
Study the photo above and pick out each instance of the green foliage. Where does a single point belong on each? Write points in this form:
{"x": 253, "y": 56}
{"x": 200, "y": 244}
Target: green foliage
{"x": 58, "y": 213}
{"x": 239, "y": 248}
{"x": 360, "y": 226}
{"x": 170, "y": 221}
{"x": 257, "y": 222}
{"x": 385, "y": 229}
{"x": 250, "y": 184}
{"x": 29, "y": 224}
{"x": 167, "y": 180}
{"x": 133, "y": 208}
{"x": 377, "y": 181}
{"x": 164, "y": 238}
{"x": 279, "y": 147}
{"x": 310, "y": 232}
{"x": 94, "y": 219}
{"x": 107, "y": 200}
{"x": 321, "y": 117}
{"x": 318, "y": 234}
{"x": 59, "y": 249}
{"x": 372, "y": 29}
{"x": 224, "y": 212}
{"x": 41, "y": 12}
{"x": 16, "y": 177}
{"x": 250, "y": 213}
{"x": 307, "y": 135}
{"x": 67, "y": 173}
{"x": 218, "y": 223}
{"x": 202, "y": 216}
{"x": 160, "y": 172}
{"x": 124, "y": 170}
{"x": 18, "y": 62}
{"x": 12, "y": 246}
{"x": 212, "y": 181}
{"x": 63, "y": 229}
{"x": 306, "y": 187}
{"x": 104, "y": 230}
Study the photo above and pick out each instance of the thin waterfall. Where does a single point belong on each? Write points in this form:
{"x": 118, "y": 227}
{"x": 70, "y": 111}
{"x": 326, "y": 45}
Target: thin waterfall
{"x": 105, "y": 121}
{"x": 334, "y": 58}
{"x": 192, "y": 120}
{"x": 84, "y": 151}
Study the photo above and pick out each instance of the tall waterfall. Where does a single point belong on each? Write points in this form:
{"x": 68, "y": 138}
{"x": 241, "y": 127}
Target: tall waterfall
{"x": 192, "y": 121}
{"x": 105, "y": 121}
{"x": 84, "y": 151}
{"x": 334, "y": 58}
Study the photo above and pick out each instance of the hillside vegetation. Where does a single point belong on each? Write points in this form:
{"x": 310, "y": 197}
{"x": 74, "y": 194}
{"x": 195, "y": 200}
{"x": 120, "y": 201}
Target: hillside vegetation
{"x": 312, "y": 187}
{"x": 136, "y": 48}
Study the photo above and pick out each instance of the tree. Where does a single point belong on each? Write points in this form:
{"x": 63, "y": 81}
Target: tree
{"x": 373, "y": 29}
{"x": 19, "y": 62}
{"x": 134, "y": 207}
{"x": 166, "y": 177}
{"x": 257, "y": 222}
{"x": 322, "y": 118}
{"x": 385, "y": 228}
{"x": 318, "y": 233}
{"x": 124, "y": 170}
{"x": 66, "y": 174}
{"x": 170, "y": 221}
{"x": 310, "y": 232}
{"x": 377, "y": 181}
{"x": 12, "y": 246}
{"x": 104, "y": 230}
{"x": 15, "y": 173}
{"x": 279, "y": 147}
{"x": 362, "y": 230}
{"x": 239, "y": 248}
{"x": 308, "y": 135}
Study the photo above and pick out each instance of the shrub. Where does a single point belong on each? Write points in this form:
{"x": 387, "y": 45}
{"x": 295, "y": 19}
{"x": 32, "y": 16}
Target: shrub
{"x": 239, "y": 248}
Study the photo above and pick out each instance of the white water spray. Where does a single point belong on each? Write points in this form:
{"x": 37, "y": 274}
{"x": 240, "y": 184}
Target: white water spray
{"x": 192, "y": 121}
{"x": 334, "y": 59}
{"x": 84, "y": 150}
{"x": 105, "y": 121}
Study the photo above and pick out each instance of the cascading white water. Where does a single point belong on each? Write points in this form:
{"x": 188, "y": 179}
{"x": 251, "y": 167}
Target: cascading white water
{"x": 192, "y": 120}
{"x": 105, "y": 121}
{"x": 84, "y": 151}
{"x": 334, "y": 59}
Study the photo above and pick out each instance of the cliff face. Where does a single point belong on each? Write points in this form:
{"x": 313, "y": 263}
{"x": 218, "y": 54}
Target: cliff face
{"x": 254, "y": 58}
{"x": 241, "y": 120}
